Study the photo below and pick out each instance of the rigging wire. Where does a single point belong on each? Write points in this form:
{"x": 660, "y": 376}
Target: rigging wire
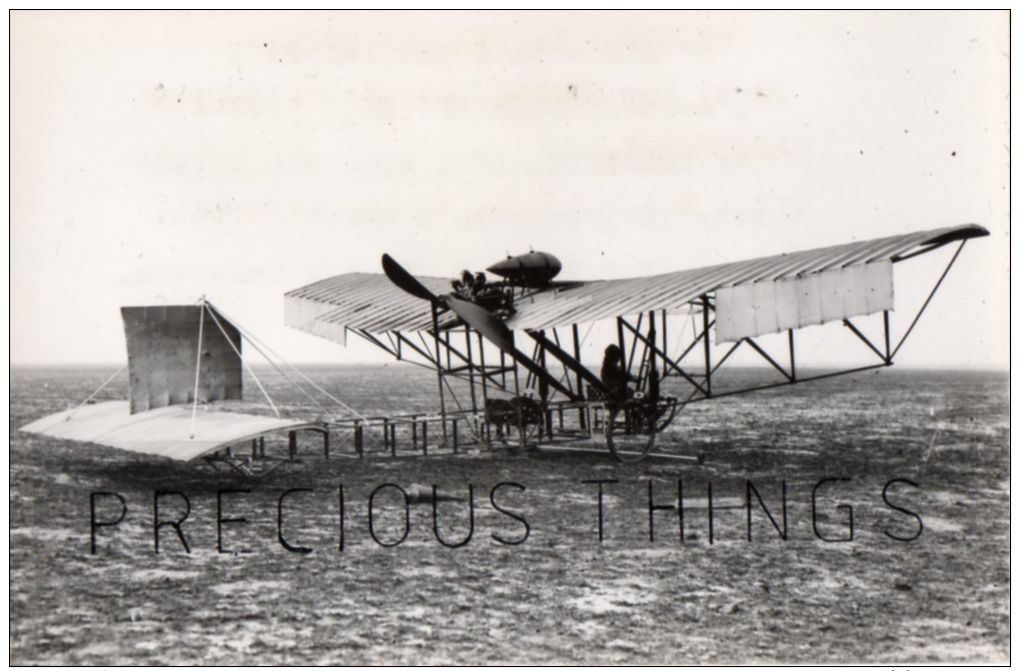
{"x": 198, "y": 365}
{"x": 255, "y": 342}
{"x": 584, "y": 338}
{"x": 248, "y": 336}
{"x": 78, "y": 407}
{"x": 244, "y": 363}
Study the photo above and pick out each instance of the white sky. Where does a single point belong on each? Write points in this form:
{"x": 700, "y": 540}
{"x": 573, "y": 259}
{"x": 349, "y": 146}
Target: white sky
{"x": 156, "y": 157}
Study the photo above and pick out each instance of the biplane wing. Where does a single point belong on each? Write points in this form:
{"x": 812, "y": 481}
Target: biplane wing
{"x": 755, "y": 296}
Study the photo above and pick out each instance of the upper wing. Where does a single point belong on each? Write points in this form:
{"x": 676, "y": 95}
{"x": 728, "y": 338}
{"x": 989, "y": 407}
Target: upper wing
{"x": 370, "y": 302}
{"x": 604, "y": 299}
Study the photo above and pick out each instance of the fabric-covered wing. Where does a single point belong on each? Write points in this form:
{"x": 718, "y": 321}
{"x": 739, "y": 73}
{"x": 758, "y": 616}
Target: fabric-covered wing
{"x": 371, "y": 303}
{"x": 366, "y": 301}
{"x": 672, "y": 292}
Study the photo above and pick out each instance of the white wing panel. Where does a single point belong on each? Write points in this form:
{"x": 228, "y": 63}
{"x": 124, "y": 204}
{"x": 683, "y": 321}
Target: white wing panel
{"x": 748, "y": 310}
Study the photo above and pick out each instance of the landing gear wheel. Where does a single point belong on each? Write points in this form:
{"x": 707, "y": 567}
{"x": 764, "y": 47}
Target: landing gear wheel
{"x": 630, "y": 434}
{"x": 527, "y": 434}
{"x": 528, "y": 416}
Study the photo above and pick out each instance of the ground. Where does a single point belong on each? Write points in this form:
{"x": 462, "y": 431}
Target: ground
{"x": 942, "y": 438}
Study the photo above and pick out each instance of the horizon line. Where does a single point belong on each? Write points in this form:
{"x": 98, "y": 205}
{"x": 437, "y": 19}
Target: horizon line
{"x": 352, "y": 364}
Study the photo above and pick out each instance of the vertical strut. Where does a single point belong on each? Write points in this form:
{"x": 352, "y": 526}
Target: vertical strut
{"x": 650, "y": 353}
{"x": 485, "y": 386}
{"x": 517, "y": 381}
{"x": 543, "y": 389}
{"x": 619, "y": 336}
{"x": 566, "y": 373}
{"x": 885, "y": 323}
{"x": 198, "y": 365}
{"x": 708, "y": 352}
{"x": 471, "y": 369}
{"x": 580, "y": 383}
{"x": 793, "y": 366}
{"x": 633, "y": 347}
{"x": 665, "y": 342}
{"x": 439, "y": 369}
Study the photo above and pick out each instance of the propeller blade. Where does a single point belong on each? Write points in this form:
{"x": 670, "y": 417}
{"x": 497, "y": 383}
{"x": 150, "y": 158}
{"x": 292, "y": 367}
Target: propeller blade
{"x": 496, "y": 332}
{"x": 482, "y": 321}
{"x": 475, "y": 316}
{"x": 405, "y": 280}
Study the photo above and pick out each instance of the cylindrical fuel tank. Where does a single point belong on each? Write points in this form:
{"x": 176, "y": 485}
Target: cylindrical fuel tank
{"x": 531, "y": 269}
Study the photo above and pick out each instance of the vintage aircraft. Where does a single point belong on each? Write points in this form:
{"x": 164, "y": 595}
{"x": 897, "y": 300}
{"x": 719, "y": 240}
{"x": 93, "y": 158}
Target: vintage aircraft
{"x": 472, "y": 330}
{"x": 449, "y": 326}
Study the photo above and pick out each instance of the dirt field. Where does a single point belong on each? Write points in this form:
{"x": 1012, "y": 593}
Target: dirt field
{"x": 560, "y": 596}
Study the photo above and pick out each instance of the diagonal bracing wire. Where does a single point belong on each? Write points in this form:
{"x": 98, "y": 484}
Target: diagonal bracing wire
{"x": 110, "y": 379}
{"x": 584, "y": 339}
{"x": 256, "y": 342}
{"x": 230, "y": 342}
{"x": 198, "y": 366}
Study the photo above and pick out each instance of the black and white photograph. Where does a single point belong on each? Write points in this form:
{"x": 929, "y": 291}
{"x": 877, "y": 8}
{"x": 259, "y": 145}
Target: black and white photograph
{"x": 509, "y": 337}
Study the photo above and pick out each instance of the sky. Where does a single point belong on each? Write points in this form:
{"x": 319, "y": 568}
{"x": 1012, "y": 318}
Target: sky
{"x": 157, "y": 157}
